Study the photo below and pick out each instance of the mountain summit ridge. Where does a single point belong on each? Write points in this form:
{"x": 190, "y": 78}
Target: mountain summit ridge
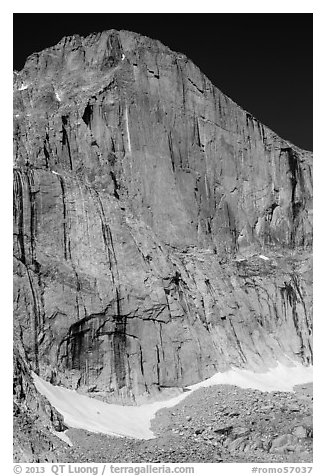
{"x": 79, "y": 41}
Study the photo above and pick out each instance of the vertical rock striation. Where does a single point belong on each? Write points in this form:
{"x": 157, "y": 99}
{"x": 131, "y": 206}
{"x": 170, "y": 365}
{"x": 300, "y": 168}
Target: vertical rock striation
{"x": 143, "y": 197}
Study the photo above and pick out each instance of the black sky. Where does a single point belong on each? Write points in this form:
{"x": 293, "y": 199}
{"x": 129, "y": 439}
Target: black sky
{"x": 261, "y": 61}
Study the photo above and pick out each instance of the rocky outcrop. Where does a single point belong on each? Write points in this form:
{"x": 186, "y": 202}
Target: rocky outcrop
{"x": 143, "y": 198}
{"x": 35, "y": 421}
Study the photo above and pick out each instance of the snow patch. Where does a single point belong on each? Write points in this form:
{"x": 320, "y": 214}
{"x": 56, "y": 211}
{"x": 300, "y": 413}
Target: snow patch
{"x": 127, "y": 127}
{"x": 123, "y": 57}
{"x": 63, "y": 436}
{"x": 57, "y": 96}
{"x": 94, "y": 415}
{"x": 264, "y": 257}
{"x": 22, "y": 87}
{"x": 56, "y": 173}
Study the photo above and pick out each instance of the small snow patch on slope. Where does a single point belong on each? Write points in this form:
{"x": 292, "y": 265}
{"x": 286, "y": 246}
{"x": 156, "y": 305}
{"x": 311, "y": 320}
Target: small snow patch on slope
{"x": 62, "y": 435}
{"x": 263, "y": 257}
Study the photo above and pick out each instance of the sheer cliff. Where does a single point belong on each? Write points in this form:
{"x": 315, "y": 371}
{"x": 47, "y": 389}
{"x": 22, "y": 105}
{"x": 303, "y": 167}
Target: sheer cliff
{"x": 161, "y": 232}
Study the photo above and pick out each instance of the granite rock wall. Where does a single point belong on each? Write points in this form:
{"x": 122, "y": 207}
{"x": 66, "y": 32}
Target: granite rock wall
{"x": 143, "y": 199}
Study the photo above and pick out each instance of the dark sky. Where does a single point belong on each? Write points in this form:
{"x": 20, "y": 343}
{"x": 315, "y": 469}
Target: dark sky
{"x": 261, "y": 61}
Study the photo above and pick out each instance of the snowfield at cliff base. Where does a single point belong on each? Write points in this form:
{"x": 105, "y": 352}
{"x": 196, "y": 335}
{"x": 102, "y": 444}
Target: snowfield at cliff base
{"x": 94, "y": 415}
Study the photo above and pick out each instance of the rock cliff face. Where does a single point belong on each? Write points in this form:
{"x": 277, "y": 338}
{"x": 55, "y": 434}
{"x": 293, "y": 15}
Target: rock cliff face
{"x": 143, "y": 197}
{"x": 34, "y": 418}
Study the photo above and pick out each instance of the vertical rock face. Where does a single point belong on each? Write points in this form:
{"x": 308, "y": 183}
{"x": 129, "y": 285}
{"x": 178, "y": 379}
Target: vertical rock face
{"x": 143, "y": 197}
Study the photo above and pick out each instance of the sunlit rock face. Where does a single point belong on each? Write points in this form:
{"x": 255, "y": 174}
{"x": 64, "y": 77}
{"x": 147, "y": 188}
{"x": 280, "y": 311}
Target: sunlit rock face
{"x": 143, "y": 199}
